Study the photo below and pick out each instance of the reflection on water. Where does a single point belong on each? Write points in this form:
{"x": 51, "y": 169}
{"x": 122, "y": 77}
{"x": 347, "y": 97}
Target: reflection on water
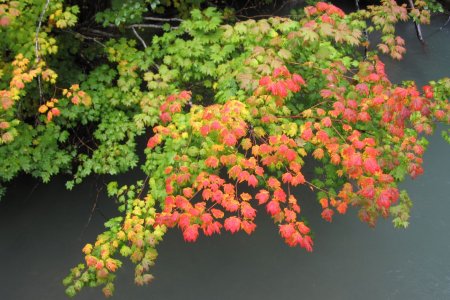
{"x": 38, "y": 233}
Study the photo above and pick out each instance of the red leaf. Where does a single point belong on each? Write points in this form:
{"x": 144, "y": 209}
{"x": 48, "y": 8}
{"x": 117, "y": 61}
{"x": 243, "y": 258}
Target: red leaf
{"x": 290, "y": 155}
{"x": 306, "y": 243}
{"x": 212, "y": 162}
{"x": 326, "y": 93}
{"x": 190, "y": 234}
{"x": 262, "y": 196}
{"x": 287, "y": 177}
{"x": 248, "y": 211}
{"x": 280, "y": 195}
{"x": 307, "y": 134}
{"x": 273, "y": 207}
{"x": 232, "y": 224}
{"x": 230, "y": 139}
{"x": 342, "y": 208}
{"x": 218, "y": 214}
{"x": 371, "y": 165}
{"x": 318, "y": 153}
{"x": 248, "y": 227}
{"x": 252, "y": 181}
{"x": 273, "y": 183}
{"x": 298, "y": 79}
{"x": 322, "y": 6}
{"x": 265, "y": 81}
{"x": 324, "y": 202}
{"x": 287, "y": 230}
{"x": 327, "y": 214}
{"x": 303, "y": 228}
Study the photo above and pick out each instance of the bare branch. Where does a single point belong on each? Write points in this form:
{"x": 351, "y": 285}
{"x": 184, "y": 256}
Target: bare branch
{"x": 417, "y": 25}
{"x": 149, "y": 26}
{"x": 139, "y": 37}
{"x": 85, "y": 37}
{"x": 37, "y": 46}
{"x": 163, "y": 19}
{"x": 99, "y": 32}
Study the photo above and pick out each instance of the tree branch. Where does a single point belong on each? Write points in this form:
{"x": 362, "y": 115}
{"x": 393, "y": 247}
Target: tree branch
{"x": 416, "y": 24}
{"x": 163, "y": 19}
{"x": 37, "y": 46}
{"x": 149, "y": 26}
{"x": 139, "y": 37}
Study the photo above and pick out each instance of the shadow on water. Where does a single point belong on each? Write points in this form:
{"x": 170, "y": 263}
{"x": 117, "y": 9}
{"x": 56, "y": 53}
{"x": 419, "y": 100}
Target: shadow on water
{"x": 38, "y": 236}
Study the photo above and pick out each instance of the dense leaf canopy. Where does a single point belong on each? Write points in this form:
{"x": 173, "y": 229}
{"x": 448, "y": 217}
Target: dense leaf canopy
{"x": 233, "y": 103}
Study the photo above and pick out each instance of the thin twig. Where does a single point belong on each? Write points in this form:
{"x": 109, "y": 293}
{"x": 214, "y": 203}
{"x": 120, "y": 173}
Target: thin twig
{"x": 85, "y": 37}
{"x": 149, "y": 26}
{"x": 445, "y": 24}
{"x": 100, "y": 32}
{"x": 139, "y": 37}
{"x": 94, "y": 207}
{"x": 163, "y": 19}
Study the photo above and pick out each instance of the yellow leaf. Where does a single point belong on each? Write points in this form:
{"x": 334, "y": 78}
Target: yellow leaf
{"x": 43, "y": 109}
{"x": 87, "y": 249}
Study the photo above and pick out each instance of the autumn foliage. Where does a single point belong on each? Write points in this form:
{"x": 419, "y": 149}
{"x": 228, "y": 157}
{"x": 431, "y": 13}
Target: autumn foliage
{"x": 214, "y": 167}
{"x": 232, "y": 111}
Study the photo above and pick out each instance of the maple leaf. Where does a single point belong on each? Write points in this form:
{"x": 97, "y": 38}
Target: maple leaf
{"x": 87, "y": 249}
{"x": 218, "y": 214}
{"x": 273, "y": 207}
{"x": 308, "y": 34}
{"x": 206, "y": 218}
{"x": 307, "y": 134}
{"x": 289, "y": 215}
{"x": 154, "y": 140}
{"x": 327, "y": 214}
{"x": 252, "y": 181}
{"x": 212, "y": 162}
{"x": 43, "y": 108}
{"x": 273, "y": 183}
{"x": 287, "y": 230}
{"x": 384, "y": 199}
{"x": 326, "y": 122}
{"x": 248, "y": 211}
{"x": 298, "y": 179}
{"x": 324, "y": 202}
{"x": 280, "y": 195}
{"x": 246, "y": 196}
{"x": 49, "y": 116}
{"x": 111, "y": 265}
{"x": 298, "y": 79}
{"x": 188, "y": 193}
{"x": 262, "y": 196}
{"x": 342, "y": 208}
{"x": 371, "y": 165}
{"x": 190, "y": 234}
{"x": 306, "y": 243}
{"x": 248, "y": 226}
{"x": 243, "y": 176}
{"x": 290, "y": 155}
{"x": 318, "y": 153}
{"x": 212, "y": 228}
{"x": 230, "y": 139}
{"x": 232, "y": 224}
{"x": 303, "y": 228}
{"x": 287, "y": 177}
{"x": 322, "y": 6}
